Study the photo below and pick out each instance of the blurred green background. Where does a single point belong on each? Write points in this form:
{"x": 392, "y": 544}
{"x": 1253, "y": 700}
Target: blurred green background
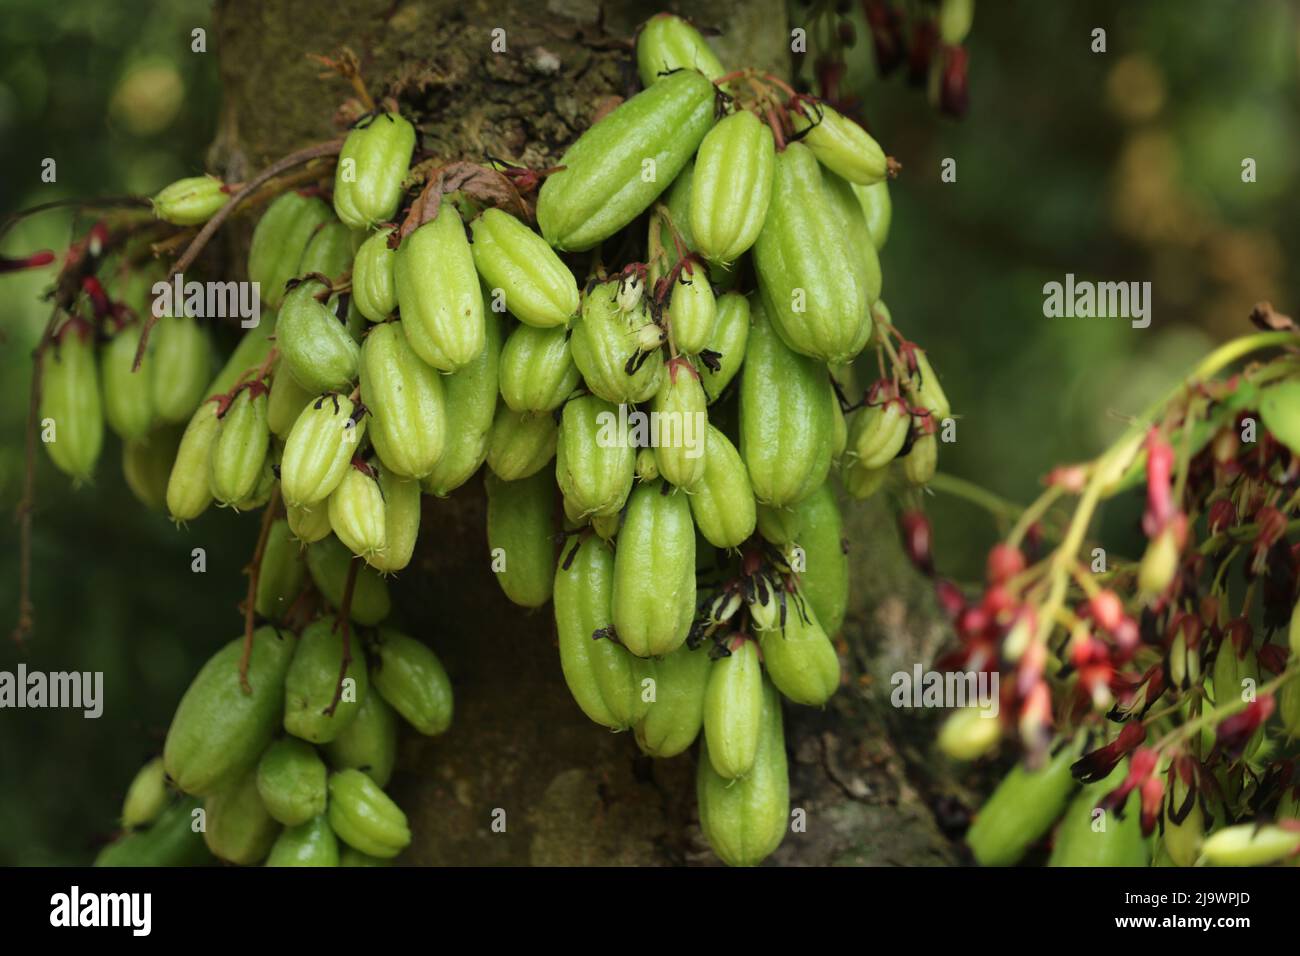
{"x": 1122, "y": 166}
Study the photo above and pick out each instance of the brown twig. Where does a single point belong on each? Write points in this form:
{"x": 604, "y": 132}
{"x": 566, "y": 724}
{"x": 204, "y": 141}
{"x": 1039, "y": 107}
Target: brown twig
{"x": 107, "y": 202}
{"x": 343, "y": 618}
{"x": 254, "y": 574}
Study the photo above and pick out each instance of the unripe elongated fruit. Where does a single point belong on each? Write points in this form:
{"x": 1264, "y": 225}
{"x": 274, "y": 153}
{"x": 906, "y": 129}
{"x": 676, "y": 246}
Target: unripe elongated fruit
{"x": 348, "y": 856}
{"x": 311, "y": 684}
{"x": 654, "y": 571}
{"x": 733, "y": 704}
{"x": 266, "y": 483}
{"x": 602, "y": 675}
{"x": 309, "y": 844}
{"x": 291, "y": 781}
{"x": 239, "y": 450}
{"x": 841, "y": 145}
{"x": 824, "y": 580}
{"x": 520, "y": 525}
{"x": 677, "y": 199}
{"x": 147, "y": 465}
{"x": 439, "y": 294}
{"x": 1022, "y": 808}
{"x": 539, "y": 289}
{"x": 70, "y": 399}
{"x": 372, "y": 164}
{"x": 408, "y": 410}
{"x": 779, "y": 526}
{"x": 356, "y": 509}
{"x": 318, "y": 451}
{"x": 968, "y": 733}
{"x": 593, "y": 467}
{"x": 471, "y": 396}
{"x": 329, "y": 252}
{"x": 785, "y": 418}
{"x": 745, "y": 820}
{"x": 853, "y": 222}
{"x": 732, "y": 186}
{"x": 861, "y": 482}
{"x": 182, "y": 365}
{"x": 171, "y": 841}
{"x": 878, "y": 433}
{"x": 237, "y": 827}
{"x": 667, "y": 43}
{"x": 1293, "y": 631}
{"x": 401, "y": 521}
{"x": 369, "y": 743}
{"x": 410, "y": 677}
{"x": 646, "y": 467}
{"x": 1181, "y": 840}
{"x": 309, "y": 524}
{"x": 1080, "y": 842}
{"x": 327, "y": 562}
{"x": 128, "y": 398}
{"x": 191, "y": 201}
{"x": 606, "y": 526}
{"x": 521, "y": 445}
{"x": 218, "y": 731}
{"x": 692, "y": 309}
{"x": 1288, "y": 708}
{"x": 315, "y": 346}
{"x": 877, "y": 210}
{"x": 1249, "y": 844}
{"x": 673, "y": 719}
{"x": 925, "y": 386}
{"x": 537, "y": 370}
{"x": 730, "y": 335}
{"x": 281, "y": 574}
{"x": 189, "y": 490}
{"x": 606, "y": 339}
{"x": 146, "y": 797}
{"x": 286, "y": 402}
{"x": 1231, "y": 671}
{"x": 801, "y": 659}
{"x": 810, "y": 277}
{"x": 279, "y": 239}
{"x": 722, "y": 503}
{"x": 681, "y": 452}
{"x": 374, "y": 283}
{"x": 364, "y": 817}
{"x": 602, "y": 187}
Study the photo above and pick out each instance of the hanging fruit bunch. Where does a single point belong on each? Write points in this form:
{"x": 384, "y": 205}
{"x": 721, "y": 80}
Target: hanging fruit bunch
{"x": 1161, "y": 693}
{"x": 705, "y": 257}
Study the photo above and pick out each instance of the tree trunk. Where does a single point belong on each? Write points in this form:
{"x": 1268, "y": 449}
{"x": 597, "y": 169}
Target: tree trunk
{"x": 520, "y": 753}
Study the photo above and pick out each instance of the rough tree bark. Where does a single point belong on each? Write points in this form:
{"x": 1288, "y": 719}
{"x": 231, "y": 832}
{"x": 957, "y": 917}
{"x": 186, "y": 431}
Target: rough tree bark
{"x": 572, "y": 793}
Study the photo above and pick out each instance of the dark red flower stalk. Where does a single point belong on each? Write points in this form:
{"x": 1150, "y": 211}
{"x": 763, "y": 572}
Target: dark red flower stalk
{"x": 33, "y": 261}
{"x": 915, "y": 527}
{"x": 1097, "y": 765}
{"x": 1234, "y": 732}
{"x": 954, "y": 85}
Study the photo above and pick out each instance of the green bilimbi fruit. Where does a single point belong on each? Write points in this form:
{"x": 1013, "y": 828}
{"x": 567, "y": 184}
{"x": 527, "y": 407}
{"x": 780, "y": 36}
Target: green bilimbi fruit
{"x": 1232, "y": 670}
{"x": 1083, "y": 839}
{"x": 824, "y": 578}
{"x": 521, "y": 444}
{"x": 328, "y": 252}
{"x": 408, "y": 410}
{"x": 171, "y": 841}
{"x": 70, "y": 400}
{"x": 356, "y": 509}
{"x": 810, "y": 276}
{"x": 745, "y": 820}
{"x": 327, "y": 562}
{"x": 602, "y": 676}
{"x": 647, "y": 469}
{"x": 922, "y": 460}
{"x": 879, "y": 432}
{"x": 606, "y": 340}
{"x": 606, "y": 525}
{"x": 314, "y": 345}
{"x": 853, "y": 227}
{"x": 520, "y": 526}
{"x": 801, "y": 659}
{"x": 401, "y": 521}
{"x": 239, "y": 450}
{"x": 146, "y": 797}
{"x": 730, "y": 334}
{"x": 673, "y": 719}
{"x": 439, "y": 294}
{"x": 1181, "y": 840}
{"x": 692, "y": 309}
{"x": 410, "y": 677}
{"x": 471, "y": 396}
{"x": 372, "y": 165}
{"x": 677, "y": 199}
{"x": 309, "y": 525}
{"x": 1250, "y": 844}
{"x": 279, "y": 240}
{"x": 319, "y": 450}
{"x": 128, "y": 399}
{"x": 925, "y": 387}
{"x": 876, "y": 208}
{"x": 349, "y": 856}
{"x": 681, "y": 452}
{"x": 374, "y": 283}
{"x": 182, "y": 364}
{"x": 311, "y": 684}
{"x": 733, "y": 704}
{"x": 537, "y": 370}
{"x": 732, "y": 187}
{"x": 604, "y": 184}
{"x": 237, "y": 827}
{"x": 722, "y": 503}
{"x": 539, "y": 289}
{"x": 286, "y": 402}
{"x": 839, "y": 431}
{"x": 779, "y": 526}
{"x": 264, "y": 487}
{"x": 369, "y": 743}
{"x": 841, "y": 145}
{"x": 281, "y": 574}
{"x": 785, "y": 419}
{"x": 1022, "y": 808}
{"x": 147, "y": 465}
{"x": 191, "y": 201}
{"x": 309, "y": 844}
{"x": 1288, "y": 708}
{"x": 654, "y": 571}
{"x": 668, "y": 43}
{"x": 366, "y": 818}
{"x": 291, "y": 781}
{"x": 594, "y": 466}
{"x": 861, "y": 482}
{"x": 189, "y": 490}
{"x": 219, "y": 731}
